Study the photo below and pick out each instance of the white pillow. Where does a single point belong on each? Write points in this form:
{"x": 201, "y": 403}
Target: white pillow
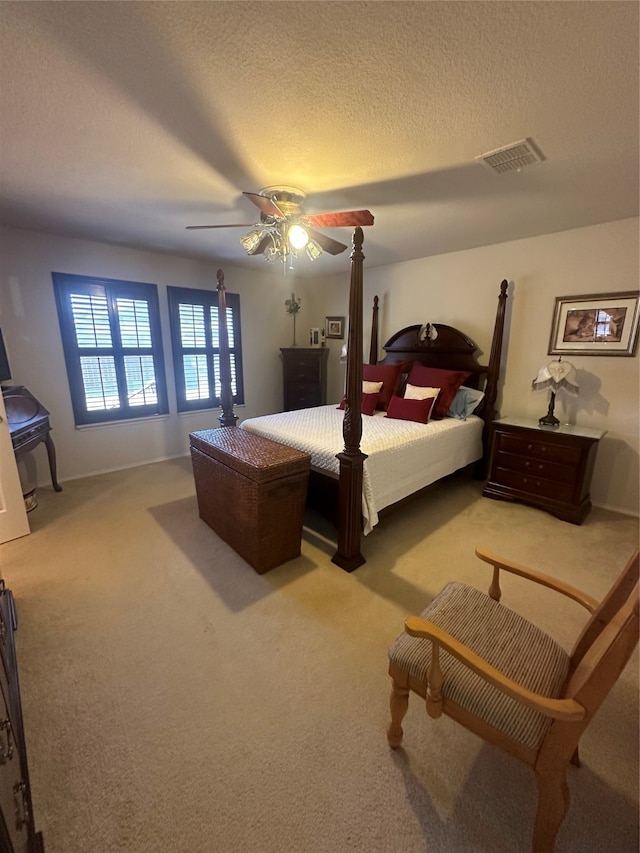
{"x": 417, "y": 392}
{"x": 371, "y": 387}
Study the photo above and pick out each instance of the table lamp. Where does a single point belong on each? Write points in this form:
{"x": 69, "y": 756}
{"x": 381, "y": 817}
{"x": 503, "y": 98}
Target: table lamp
{"x": 557, "y": 375}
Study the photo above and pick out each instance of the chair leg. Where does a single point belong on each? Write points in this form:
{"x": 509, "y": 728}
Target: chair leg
{"x": 399, "y": 702}
{"x": 553, "y": 803}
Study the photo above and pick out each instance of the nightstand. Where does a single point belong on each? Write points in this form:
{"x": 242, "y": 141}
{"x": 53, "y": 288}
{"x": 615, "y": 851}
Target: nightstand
{"x": 304, "y": 377}
{"x": 544, "y": 467}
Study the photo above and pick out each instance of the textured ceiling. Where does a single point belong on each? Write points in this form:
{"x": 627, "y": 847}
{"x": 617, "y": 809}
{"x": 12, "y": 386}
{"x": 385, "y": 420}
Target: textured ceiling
{"x": 126, "y": 122}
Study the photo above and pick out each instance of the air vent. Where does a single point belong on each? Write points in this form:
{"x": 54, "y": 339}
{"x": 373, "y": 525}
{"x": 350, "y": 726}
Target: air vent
{"x": 512, "y": 157}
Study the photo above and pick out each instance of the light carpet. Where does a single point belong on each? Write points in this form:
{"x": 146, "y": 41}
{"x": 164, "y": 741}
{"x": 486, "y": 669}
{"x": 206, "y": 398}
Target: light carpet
{"x": 177, "y": 702}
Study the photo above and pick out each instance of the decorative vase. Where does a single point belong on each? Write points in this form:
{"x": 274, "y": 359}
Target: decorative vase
{"x": 294, "y": 330}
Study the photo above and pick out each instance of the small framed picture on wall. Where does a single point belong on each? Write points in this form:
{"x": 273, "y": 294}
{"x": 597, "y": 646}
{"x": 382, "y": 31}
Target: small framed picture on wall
{"x": 334, "y": 327}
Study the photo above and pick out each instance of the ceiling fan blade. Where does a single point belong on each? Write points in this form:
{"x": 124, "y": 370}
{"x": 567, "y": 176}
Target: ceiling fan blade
{"x": 266, "y": 205}
{"x": 339, "y": 220}
{"x": 235, "y": 225}
{"x": 327, "y": 244}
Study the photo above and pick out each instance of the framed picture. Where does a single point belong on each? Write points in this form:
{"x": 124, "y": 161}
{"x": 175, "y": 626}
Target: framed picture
{"x": 598, "y": 324}
{"x": 334, "y": 327}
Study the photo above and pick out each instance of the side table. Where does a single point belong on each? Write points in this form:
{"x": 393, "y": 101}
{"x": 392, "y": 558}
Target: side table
{"x": 29, "y": 425}
{"x": 549, "y": 468}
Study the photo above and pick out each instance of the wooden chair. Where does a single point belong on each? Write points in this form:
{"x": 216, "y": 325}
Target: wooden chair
{"x": 506, "y": 680}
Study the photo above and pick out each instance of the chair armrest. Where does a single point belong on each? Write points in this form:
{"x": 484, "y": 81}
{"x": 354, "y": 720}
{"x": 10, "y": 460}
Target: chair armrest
{"x": 537, "y": 577}
{"x": 560, "y": 709}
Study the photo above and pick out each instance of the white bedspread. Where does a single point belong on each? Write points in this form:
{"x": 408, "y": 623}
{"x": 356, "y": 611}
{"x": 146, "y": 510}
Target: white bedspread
{"x": 403, "y": 456}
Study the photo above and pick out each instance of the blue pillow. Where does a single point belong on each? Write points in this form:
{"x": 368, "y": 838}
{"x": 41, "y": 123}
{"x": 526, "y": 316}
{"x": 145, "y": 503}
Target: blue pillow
{"x": 465, "y": 403}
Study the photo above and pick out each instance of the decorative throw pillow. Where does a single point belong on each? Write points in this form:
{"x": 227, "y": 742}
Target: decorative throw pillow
{"x": 367, "y": 404}
{"x": 389, "y": 374}
{"x": 406, "y": 409}
{"x": 415, "y": 392}
{"x": 448, "y": 381}
{"x": 370, "y": 387}
{"x": 465, "y": 402}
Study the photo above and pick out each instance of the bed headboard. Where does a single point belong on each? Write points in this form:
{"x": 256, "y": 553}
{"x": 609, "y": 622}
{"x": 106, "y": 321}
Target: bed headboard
{"x": 449, "y": 349}
{"x": 436, "y": 345}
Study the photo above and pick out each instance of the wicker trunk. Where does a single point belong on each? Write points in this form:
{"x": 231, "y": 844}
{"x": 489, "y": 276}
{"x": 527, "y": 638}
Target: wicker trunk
{"x": 251, "y": 491}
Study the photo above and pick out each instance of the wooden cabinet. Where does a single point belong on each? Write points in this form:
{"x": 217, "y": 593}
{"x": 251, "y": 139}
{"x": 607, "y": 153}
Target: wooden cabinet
{"x": 549, "y": 468}
{"x": 304, "y": 377}
{"x": 17, "y": 829}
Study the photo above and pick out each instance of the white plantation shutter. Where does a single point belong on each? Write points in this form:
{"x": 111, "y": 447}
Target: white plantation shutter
{"x": 113, "y": 347}
{"x": 195, "y": 338}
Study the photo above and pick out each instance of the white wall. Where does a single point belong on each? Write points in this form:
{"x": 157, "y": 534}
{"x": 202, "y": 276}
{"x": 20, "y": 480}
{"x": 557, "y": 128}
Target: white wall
{"x": 29, "y": 323}
{"x": 461, "y": 290}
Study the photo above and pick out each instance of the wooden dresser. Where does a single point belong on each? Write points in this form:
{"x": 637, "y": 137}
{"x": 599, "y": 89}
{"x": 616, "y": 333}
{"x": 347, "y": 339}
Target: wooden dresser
{"x": 549, "y": 468}
{"x": 304, "y": 377}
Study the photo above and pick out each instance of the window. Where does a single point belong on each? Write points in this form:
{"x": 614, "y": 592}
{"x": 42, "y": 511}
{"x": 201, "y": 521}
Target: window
{"x": 112, "y": 344}
{"x": 195, "y": 342}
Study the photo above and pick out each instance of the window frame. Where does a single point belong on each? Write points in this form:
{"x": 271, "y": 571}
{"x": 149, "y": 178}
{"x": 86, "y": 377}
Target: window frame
{"x": 65, "y": 284}
{"x": 209, "y": 300}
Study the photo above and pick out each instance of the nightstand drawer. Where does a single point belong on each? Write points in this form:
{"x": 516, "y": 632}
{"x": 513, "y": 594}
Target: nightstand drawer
{"x": 529, "y": 484}
{"x": 537, "y": 448}
{"x": 536, "y": 467}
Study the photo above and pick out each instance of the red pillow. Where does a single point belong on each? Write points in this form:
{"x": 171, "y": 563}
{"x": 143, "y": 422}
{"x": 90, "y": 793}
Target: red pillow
{"x": 389, "y": 374}
{"x": 367, "y": 404}
{"x": 448, "y": 381}
{"x": 404, "y": 409}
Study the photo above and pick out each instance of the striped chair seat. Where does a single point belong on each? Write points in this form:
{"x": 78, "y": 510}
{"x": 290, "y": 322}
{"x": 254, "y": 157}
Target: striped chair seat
{"x": 507, "y": 641}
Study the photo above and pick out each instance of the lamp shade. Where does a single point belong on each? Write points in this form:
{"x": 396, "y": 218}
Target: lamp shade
{"x": 556, "y": 375}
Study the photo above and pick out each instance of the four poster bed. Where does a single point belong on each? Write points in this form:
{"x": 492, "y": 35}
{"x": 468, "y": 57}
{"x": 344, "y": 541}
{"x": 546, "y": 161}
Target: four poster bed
{"x": 403, "y": 455}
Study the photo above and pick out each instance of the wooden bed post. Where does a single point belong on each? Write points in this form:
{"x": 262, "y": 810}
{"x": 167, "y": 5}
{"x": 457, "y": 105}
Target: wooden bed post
{"x": 493, "y": 376}
{"x": 348, "y": 555}
{"x": 373, "y": 348}
{"x": 227, "y": 417}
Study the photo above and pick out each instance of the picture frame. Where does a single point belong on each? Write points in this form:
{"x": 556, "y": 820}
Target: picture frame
{"x": 334, "y": 327}
{"x": 595, "y": 324}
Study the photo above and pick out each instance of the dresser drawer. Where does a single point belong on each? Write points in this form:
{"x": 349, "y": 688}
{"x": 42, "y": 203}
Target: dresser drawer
{"x": 536, "y": 467}
{"x": 302, "y": 372}
{"x": 303, "y": 398}
{"x": 538, "y": 448}
{"x": 529, "y": 484}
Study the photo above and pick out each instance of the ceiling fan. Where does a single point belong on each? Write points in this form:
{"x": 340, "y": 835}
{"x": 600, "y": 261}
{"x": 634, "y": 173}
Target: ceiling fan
{"x": 284, "y": 228}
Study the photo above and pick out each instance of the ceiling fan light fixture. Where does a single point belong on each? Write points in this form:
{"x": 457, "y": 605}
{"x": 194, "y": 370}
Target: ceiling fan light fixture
{"x": 298, "y": 237}
{"x": 272, "y": 252}
{"x": 251, "y": 240}
{"x": 313, "y": 250}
